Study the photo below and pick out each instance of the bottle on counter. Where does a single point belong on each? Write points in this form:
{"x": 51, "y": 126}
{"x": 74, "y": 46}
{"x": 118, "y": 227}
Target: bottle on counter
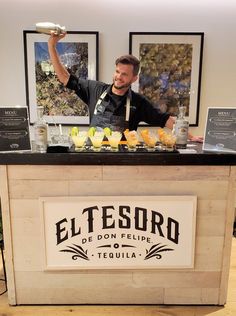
{"x": 181, "y": 128}
{"x": 48, "y": 27}
{"x": 40, "y": 132}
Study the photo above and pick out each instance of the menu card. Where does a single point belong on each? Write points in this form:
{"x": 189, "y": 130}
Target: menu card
{"x": 14, "y": 129}
{"x": 220, "y": 132}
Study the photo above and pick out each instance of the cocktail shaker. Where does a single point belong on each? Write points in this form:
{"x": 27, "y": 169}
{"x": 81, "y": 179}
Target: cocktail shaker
{"x": 48, "y": 28}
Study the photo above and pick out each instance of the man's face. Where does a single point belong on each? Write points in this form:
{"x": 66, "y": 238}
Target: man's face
{"x": 123, "y": 76}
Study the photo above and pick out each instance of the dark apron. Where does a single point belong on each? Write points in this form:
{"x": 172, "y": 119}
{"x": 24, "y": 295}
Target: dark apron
{"x": 103, "y": 118}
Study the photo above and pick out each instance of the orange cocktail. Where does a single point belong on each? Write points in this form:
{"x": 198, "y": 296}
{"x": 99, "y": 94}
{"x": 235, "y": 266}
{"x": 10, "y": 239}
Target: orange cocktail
{"x": 132, "y": 139}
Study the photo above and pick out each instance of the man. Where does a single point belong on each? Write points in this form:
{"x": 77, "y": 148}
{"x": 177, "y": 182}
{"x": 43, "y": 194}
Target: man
{"x": 115, "y": 106}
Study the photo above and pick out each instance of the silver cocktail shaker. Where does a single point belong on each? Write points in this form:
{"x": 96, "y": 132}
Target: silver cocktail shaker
{"x": 48, "y": 27}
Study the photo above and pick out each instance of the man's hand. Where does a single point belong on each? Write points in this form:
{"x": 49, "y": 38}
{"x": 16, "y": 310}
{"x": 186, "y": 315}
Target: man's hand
{"x": 197, "y": 139}
{"x": 54, "y": 38}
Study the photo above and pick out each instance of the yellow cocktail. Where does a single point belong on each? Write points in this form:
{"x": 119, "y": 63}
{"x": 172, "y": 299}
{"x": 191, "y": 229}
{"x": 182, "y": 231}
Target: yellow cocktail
{"x": 114, "y": 140}
{"x": 79, "y": 140}
{"x": 96, "y": 140}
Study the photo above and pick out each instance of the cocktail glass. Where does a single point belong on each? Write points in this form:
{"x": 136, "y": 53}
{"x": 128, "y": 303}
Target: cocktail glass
{"x": 132, "y": 140}
{"x": 149, "y": 139}
{"x": 79, "y": 140}
{"x": 160, "y": 133}
{"x": 169, "y": 142}
{"x": 114, "y": 140}
{"x": 96, "y": 140}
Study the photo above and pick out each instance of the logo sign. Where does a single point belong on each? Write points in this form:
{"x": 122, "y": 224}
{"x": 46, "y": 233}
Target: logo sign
{"x": 115, "y": 232}
{"x": 220, "y": 131}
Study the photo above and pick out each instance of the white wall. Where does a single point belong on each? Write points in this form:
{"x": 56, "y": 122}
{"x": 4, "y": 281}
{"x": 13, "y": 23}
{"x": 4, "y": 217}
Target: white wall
{"x": 114, "y": 20}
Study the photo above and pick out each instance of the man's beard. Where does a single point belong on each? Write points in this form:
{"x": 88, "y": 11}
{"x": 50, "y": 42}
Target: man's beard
{"x": 124, "y": 86}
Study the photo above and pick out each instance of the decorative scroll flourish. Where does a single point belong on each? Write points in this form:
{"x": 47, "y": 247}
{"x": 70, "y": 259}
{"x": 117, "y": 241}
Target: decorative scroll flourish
{"x": 155, "y": 250}
{"x": 78, "y": 252}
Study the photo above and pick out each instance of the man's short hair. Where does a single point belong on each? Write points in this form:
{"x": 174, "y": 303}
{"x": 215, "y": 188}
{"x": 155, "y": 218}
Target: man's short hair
{"x": 129, "y": 60}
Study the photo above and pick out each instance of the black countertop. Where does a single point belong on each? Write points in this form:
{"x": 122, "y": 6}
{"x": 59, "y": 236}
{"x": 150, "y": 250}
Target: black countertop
{"x": 141, "y": 157}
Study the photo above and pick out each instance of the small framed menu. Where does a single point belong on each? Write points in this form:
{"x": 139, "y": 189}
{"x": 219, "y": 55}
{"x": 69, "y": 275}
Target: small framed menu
{"x": 14, "y": 129}
{"x": 220, "y": 131}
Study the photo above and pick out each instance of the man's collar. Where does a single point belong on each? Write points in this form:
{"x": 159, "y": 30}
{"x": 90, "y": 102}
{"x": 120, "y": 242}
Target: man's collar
{"x": 127, "y": 94}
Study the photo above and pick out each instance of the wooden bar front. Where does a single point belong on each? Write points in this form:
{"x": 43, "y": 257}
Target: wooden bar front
{"x": 22, "y": 183}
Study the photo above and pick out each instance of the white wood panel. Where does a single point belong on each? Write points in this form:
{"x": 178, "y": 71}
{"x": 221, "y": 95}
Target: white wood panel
{"x": 118, "y": 172}
{"x": 178, "y": 278}
{"x": 208, "y": 253}
{"x": 31, "y": 172}
{"x": 191, "y": 295}
{"x": 230, "y": 216}
{"x": 128, "y": 310}
{"x": 204, "y": 262}
{"x": 7, "y": 233}
{"x": 209, "y": 245}
{"x": 213, "y": 208}
{"x": 114, "y": 284}
{"x": 117, "y": 295}
{"x": 194, "y": 286}
{"x": 119, "y": 278}
{"x": 27, "y": 243}
{"x": 25, "y": 208}
{"x": 209, "y": 296}
{"x": 31, "y": 189}
{"x": 210, "y": 226}
{"x": 203, "y": 189}
{"x": 27, "y": 253}
{"x": 166, "y": 172}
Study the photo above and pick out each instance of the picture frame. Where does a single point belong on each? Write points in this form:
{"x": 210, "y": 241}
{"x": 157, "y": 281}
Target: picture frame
{"x": 78, "y": 51}
{"x": 170, "y": 70}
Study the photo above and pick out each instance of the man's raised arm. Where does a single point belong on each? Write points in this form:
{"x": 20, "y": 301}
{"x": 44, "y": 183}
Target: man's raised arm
{"x": 61, "y": 72}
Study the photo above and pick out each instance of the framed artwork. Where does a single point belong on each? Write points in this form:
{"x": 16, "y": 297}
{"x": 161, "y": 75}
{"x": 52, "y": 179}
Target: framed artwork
{"x": 170, "y": 70}
{"x": 78, "y": 51}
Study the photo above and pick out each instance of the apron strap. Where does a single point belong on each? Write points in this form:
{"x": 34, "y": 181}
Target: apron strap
{"x": 127, "y": 106}
{"x": 127, "y": 111}
{"x": 99, "y": 101}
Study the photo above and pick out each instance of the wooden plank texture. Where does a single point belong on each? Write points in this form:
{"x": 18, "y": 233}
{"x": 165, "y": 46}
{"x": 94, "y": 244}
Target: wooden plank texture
{"x": 31, "y": 172}
{"x": 166, "y": 173}
{"x": 7, "y": 233}
{"x": 229, "y": 219}
{"x": 206, "y": 283}
{"x": 137, "y": 310}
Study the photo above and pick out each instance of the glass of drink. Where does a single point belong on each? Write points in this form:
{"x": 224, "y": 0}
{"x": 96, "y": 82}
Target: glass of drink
{"x": 149, "y": 139}
{"x": 79, "y": 140}
{"x": 114, "y": 140}
{"x": 169, "y": 142}
{"x": 161, "y": 135}
{"x": 97, "y": 140}
{"x": 132, "y": 140}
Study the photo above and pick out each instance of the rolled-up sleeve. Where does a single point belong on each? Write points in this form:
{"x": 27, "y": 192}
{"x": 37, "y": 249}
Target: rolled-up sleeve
{"x": 80, "y": 86}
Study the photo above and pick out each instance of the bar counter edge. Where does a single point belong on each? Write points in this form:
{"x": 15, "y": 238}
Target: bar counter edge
{"x": 119, "y": 158}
